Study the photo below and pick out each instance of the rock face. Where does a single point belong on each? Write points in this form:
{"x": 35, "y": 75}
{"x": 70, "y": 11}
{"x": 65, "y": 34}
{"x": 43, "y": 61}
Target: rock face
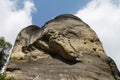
{"x": 65, "y": 48}
{"x": 26, "y": 37}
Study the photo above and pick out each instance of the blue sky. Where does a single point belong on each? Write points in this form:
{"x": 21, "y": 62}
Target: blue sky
{"x": 102, "y": 16}
{"x": 48, "y": 9}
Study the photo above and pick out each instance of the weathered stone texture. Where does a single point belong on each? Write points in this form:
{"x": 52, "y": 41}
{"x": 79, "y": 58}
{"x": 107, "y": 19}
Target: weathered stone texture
{"x": 65, "y": 48}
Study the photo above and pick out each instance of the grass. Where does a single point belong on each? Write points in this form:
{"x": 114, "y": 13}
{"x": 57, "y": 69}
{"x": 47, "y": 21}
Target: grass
{"x": 2, "y": 77}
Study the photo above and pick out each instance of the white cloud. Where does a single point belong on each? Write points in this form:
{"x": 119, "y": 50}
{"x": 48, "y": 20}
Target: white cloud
{"x": 13, "y": 19}
{"x": 103, "y": 16}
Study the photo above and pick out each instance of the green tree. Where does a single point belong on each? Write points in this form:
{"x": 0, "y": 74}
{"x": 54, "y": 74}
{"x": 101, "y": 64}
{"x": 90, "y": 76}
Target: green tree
{"x": 4, "y": 51}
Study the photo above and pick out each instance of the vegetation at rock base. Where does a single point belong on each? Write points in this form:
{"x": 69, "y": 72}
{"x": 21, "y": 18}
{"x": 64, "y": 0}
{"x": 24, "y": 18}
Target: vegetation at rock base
{"x": 2, "y": 77}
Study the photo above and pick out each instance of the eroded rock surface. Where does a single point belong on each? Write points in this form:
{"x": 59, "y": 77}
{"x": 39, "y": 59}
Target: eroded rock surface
{"x": 65, "y": 48}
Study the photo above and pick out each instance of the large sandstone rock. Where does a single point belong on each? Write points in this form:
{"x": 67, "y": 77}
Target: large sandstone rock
{"x": 65, "y": 48}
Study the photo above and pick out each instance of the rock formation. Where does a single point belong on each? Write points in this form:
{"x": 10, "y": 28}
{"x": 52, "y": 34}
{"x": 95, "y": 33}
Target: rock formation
{"x": 65, "y": 48}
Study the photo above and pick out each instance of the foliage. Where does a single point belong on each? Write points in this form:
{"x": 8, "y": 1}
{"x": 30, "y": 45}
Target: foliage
{"x": 2, "y": 41}
{"x": 4, "y": 50}
{"x": 4, "y": 45}
{"x": 2, "y": 77}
